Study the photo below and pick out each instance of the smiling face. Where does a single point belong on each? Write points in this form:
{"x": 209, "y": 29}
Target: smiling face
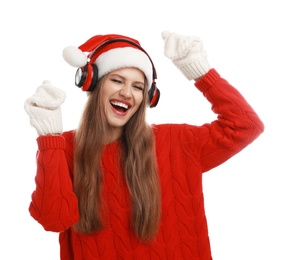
{"x": 122, "y": 94}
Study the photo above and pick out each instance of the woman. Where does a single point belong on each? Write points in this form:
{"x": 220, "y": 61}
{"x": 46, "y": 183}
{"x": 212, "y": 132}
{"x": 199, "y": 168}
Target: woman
{"x": 117, "y": 188}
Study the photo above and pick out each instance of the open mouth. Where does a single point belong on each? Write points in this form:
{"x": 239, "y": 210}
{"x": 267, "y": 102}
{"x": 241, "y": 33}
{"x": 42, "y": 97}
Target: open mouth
{"x": 119, "y": 106}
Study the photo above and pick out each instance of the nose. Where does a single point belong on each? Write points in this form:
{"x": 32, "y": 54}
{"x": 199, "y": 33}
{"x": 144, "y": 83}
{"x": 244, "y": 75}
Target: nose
{"x": 126, "y": 91}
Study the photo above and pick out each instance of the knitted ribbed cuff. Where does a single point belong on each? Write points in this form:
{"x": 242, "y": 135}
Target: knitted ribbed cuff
{"x": 209, "y": 79}
{"x": 194, "y": 69}
{"x": 46, "y": 142}
{"x": 52, "y": 125}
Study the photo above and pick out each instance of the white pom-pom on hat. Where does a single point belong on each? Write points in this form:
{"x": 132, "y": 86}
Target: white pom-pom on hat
{"x": 74, "y": 56}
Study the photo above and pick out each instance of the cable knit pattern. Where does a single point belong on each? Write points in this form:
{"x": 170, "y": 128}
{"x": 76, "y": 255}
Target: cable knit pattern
{"x": 183, "y": 151}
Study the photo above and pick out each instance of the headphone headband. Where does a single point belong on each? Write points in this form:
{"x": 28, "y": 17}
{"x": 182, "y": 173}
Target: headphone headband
{"x": 127, "y": 41}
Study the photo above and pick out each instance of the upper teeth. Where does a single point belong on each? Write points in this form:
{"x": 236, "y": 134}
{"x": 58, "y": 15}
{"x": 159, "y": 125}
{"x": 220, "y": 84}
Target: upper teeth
{"x": 115, "y": 103}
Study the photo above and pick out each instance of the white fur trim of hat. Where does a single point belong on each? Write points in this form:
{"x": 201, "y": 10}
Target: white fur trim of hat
{"x": 115, "y": 58}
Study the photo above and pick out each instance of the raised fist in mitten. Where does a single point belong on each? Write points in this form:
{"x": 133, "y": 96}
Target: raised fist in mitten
{"x": 44, "y": 109}
{"x": 187, "y": 53}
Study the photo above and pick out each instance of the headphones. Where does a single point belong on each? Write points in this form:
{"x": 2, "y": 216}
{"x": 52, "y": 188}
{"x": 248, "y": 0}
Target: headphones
{"x": 87, "y": 77}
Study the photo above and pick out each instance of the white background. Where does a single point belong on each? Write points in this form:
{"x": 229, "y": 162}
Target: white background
{"x": 243, "y": 42}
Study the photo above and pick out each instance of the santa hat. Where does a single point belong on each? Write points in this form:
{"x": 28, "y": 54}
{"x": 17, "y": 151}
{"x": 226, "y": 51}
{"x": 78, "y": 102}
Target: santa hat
{"x": 110, "y": 52}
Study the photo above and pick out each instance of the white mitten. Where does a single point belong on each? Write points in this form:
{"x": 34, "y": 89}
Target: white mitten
{"x": 44, "y": 109}
{"x": 187, "y": 53}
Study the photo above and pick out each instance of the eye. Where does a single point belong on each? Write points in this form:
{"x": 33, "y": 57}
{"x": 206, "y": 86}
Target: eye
{"x": 138, "y": 87}
{"x": 116, "y": 80}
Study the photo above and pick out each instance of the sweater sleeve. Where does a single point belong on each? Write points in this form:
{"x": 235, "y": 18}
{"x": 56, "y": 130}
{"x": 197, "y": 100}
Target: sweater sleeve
{"x": 237, "y": 124}
{"x": 54, "y": 204}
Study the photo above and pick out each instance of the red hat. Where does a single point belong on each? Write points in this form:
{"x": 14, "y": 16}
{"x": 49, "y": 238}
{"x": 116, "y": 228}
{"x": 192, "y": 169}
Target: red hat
{"x": 110, "y": 52}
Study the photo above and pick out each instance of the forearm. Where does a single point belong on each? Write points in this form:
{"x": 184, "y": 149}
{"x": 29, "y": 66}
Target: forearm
{"x": 228, "y": 103}
{"x": 54, "y": 204}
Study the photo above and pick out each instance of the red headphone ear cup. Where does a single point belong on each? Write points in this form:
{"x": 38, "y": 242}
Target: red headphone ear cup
{"x": 94, "y": 79}
{"x": 87, "y": 77}
{"x": 80, "y": 76}
{"x": 154, "y": 95}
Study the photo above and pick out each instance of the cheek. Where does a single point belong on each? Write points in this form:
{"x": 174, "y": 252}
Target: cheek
{"x": 139, "y": 98}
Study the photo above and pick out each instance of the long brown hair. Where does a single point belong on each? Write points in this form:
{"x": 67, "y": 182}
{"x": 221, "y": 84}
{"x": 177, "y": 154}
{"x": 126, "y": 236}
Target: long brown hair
{"x": 138, "y": 161}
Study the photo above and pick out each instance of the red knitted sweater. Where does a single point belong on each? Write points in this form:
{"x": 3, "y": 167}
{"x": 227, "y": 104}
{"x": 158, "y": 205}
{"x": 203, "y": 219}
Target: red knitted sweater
{"x": 183, "y": 151}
